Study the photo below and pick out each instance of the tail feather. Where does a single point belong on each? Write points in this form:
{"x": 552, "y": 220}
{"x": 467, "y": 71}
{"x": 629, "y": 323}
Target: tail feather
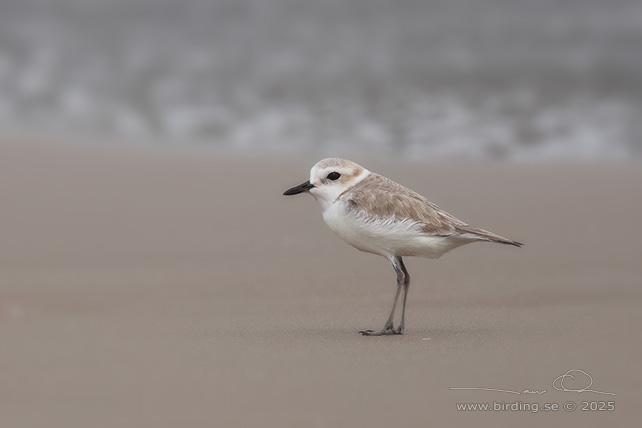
{"x": 485, "y": 235}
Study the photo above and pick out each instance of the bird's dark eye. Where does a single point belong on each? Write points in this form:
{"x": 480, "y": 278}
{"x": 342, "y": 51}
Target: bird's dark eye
{"x": 334, "y": 176}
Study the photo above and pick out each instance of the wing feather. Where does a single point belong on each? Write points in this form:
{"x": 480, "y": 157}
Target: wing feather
{"x": 383, "y": 199}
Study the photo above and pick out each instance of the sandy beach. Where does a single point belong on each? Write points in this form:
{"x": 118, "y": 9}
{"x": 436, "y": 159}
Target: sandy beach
{"x": 144, "y": 288}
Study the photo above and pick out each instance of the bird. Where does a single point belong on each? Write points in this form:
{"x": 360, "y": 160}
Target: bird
{"x": 380, "y": 216}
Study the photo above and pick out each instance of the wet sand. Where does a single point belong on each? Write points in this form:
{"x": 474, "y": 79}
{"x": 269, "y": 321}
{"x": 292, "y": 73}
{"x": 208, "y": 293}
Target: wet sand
{"x": 157, "y": 289}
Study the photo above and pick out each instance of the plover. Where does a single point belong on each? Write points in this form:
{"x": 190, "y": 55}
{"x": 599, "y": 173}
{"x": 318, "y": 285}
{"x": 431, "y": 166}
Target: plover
{"x": 377, "y": 215}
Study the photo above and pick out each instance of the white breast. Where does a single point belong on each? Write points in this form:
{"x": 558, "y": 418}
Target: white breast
{"x": 386, "y": 237}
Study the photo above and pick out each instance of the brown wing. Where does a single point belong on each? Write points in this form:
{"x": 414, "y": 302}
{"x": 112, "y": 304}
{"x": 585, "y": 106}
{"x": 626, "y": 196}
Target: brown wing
{"x": 387, "y": 199}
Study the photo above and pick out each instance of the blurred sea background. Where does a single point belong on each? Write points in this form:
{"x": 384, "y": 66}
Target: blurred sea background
{"x": 478, "y": 79}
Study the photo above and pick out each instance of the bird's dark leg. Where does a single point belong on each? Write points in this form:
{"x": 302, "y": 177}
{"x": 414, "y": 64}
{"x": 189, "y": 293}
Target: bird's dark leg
{"x": 402, "y": 274}
{"x": 406, "y": 285}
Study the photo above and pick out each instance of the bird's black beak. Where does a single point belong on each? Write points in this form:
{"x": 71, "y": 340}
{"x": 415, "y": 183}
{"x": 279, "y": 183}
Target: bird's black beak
{"x": 299, "y": 189}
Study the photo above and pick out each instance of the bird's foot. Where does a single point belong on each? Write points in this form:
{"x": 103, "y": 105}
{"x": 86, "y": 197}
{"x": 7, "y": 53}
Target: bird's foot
{"x": 388, "y": 329}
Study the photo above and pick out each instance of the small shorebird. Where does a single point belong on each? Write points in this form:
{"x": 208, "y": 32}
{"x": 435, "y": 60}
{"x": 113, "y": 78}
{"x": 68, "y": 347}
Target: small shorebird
{"x": 377, "y": 215}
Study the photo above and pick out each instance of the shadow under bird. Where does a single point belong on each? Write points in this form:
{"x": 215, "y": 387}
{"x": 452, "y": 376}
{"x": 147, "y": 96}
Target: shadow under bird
{"x": 377, "y": 215}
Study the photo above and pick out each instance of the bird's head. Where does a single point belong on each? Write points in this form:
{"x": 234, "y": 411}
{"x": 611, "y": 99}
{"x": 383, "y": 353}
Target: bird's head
{"x": 329, "y": 178}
